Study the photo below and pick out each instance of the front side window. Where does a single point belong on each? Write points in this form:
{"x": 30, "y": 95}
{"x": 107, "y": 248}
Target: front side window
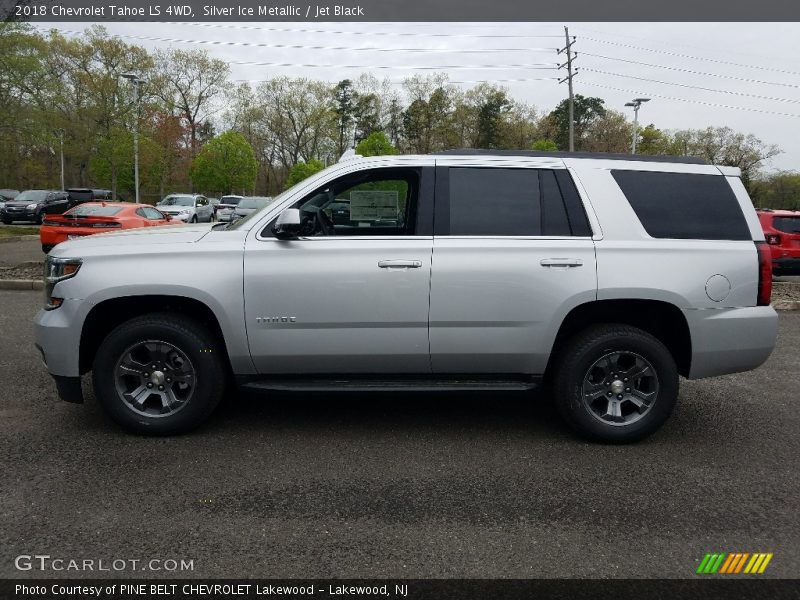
{"x": 381, "y": 202}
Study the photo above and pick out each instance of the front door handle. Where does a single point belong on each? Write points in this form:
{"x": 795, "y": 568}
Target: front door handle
{"x": 399, "y": 264}
{"x": 561, "y": 262}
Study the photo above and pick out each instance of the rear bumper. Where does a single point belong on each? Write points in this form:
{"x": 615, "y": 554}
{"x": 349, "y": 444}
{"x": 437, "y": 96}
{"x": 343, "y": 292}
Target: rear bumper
{"x": 730, "y": 340}
{"x": 786, "y": 265}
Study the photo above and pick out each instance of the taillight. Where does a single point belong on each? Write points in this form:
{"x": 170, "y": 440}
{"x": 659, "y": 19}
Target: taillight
{"x": 764, "y": 274}
{"x": 773, "y": 239}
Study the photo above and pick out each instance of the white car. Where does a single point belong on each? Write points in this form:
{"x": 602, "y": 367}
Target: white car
{"x": 227, "y": 205}
{"x": 189, "y": 208}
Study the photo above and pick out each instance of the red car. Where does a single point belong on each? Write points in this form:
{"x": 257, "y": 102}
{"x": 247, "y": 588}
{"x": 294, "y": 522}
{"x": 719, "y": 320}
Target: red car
{"x": 97, "y": 217}
{"x": 782, "y": 232}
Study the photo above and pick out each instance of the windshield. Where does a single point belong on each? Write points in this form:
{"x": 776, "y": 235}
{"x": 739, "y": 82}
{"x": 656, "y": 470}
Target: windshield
{"x": 93, "y": 210}
{"x": 31, "y": 196}
{"x": 177, "y": 201}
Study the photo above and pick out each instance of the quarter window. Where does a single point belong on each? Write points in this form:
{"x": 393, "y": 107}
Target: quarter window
{"x": 684, "y": 205}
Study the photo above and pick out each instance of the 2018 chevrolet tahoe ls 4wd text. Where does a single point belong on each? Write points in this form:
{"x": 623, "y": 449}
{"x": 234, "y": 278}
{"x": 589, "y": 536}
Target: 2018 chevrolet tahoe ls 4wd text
{"x": 606, "y": 276}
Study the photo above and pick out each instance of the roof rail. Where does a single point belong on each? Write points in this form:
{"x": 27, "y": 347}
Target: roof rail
{"x": 692, "y": 160}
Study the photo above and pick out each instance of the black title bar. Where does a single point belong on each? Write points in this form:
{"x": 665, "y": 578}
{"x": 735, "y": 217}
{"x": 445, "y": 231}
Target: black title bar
{"x": 399, "y": 10}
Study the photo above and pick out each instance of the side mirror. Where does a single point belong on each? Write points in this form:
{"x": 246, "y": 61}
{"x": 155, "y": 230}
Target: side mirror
{"x": 288, "y": 224}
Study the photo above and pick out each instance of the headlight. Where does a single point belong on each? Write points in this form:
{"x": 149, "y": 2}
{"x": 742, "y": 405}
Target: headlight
{"x": 185, "y": 211}
{"x": 55, "y": 270}
{"x": 31, "y": 206}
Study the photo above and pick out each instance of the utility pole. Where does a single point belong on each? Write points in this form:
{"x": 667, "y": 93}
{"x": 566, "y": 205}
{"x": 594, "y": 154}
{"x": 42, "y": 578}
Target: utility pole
{"x": 570, "y": 74}
{"x": 136, "y": 81}
{"x": 60, "y": 134}
{"x": 636, "y": 103}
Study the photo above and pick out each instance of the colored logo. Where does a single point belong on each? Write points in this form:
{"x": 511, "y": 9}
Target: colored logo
{"x": 734, "y": 563}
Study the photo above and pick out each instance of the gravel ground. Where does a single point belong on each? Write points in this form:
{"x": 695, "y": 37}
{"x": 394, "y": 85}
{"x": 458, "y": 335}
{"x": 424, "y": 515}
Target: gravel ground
{"x": 785, "y": 291}
{"x": 23, "y": 271}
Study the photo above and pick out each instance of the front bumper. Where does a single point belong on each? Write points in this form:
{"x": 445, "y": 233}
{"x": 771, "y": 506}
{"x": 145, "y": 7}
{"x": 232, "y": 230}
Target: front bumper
{"x": 18, "y": 215}
{"x": 59, "y": 343}
{"x": 730, "y": 340}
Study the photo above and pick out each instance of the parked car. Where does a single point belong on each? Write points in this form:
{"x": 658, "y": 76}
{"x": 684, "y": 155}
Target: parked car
{"x": 605, "y": 276}
{"x": 782, "y": 232}
{"x": 6, "y": 195}
{"x": 33, "y": 205}
{"x": 248, "y": 205}
{"x": 214, "y": 202}
{"x": 189, "y": 208}
{"x": 90, "y": 218}
{"x": 226, "y": 206}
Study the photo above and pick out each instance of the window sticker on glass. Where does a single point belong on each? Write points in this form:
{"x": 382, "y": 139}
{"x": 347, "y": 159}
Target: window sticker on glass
{"x": 374, "y": 205}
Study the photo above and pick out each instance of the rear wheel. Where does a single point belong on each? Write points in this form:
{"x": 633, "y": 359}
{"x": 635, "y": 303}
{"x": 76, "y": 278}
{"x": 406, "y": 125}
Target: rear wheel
{"x": 159, "y": 374}
{"x": 615, "y": 383}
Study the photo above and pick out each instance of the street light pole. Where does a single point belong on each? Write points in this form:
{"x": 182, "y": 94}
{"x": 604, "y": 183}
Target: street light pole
{"x": 61, "y": 143}
{"x": 637, "y": 102}
{"x": 136, "y": 81}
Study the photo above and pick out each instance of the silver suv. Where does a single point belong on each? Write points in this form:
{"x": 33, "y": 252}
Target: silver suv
{"x": 606, "y": 277}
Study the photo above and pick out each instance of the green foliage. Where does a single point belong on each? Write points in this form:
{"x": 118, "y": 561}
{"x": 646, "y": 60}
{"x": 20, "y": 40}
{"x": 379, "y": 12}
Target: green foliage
{"x": 303, "y": 170}
{"x": 225, "y": 164}
{"x": 779, "y": 190}
{"x": 585, "y": 112}
{"x": 376, "y": 144}
{"x": 544, "y": 146}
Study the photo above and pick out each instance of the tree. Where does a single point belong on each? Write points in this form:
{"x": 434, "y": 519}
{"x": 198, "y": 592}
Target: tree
{"x": 343, "y": 95}
{"x": 610, "y": 132}
{"x": 189, "y": 81}
{"x": 225, "y": 164}
{"x": 544, "y": 146}
{"x": 303, "y": 170}
{"x": 377, "y": 144}
{"x": 586, "y": 111}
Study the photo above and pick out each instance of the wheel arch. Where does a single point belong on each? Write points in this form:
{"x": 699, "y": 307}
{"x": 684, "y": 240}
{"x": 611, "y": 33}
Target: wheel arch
{"x": 108, "y": 314}
{"x": 663, "y": 320}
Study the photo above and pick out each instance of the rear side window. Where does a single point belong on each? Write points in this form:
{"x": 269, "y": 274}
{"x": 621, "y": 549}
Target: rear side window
{"x": 787, "y": 224}
{"x": 511, "y": 202}
{"x": 684, "y": 205}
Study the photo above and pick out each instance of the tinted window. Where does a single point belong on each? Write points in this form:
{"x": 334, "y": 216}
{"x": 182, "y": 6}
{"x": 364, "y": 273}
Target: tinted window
{"x": 684, "y": 205}
{"x": 494, "y": 202}
{"x": 93, "y": 210}
{"x": 787, "y": 224}
{"x": 512, "y": 202}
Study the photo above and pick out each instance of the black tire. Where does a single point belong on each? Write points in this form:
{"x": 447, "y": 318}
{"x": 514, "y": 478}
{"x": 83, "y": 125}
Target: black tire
{"x": 47, "y": 247}
{"x": 7, "y": 222}
{"x": 193, "y": 341}
{"x": 577, "y": 366}
{"x": 194, "y": 219}
{"x": 39, "y": 218}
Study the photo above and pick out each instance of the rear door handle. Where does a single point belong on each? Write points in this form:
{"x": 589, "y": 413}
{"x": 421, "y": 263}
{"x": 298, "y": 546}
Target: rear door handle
{"x": 561, "y": 262}
{"x": 399, "y": 264}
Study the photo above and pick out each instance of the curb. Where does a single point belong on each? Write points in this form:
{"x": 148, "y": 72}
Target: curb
{"x": 4, "y": 239}
{"x": 21, "y": 284}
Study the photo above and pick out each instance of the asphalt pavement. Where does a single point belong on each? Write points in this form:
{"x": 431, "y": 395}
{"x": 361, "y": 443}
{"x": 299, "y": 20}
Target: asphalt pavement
{"x": 415, "y": 485}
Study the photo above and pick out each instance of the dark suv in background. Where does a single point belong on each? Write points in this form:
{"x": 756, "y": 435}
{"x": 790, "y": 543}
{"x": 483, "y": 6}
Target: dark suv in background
{"x": 32, "y": 205}
{"x": 782, "y": 232}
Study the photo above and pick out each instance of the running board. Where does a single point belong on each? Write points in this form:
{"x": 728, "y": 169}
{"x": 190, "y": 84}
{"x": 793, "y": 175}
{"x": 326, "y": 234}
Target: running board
{"x": 387, "y": 385}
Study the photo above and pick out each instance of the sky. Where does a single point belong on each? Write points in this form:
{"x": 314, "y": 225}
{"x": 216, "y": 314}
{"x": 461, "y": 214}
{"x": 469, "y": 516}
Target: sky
{"x": 749, "y": 72}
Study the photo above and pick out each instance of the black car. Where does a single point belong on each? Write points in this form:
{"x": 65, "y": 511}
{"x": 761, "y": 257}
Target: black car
{"x": 32, "y": 205}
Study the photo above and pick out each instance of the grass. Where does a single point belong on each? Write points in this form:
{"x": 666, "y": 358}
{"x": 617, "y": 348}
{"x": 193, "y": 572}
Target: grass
{"x": 7, "y": 230}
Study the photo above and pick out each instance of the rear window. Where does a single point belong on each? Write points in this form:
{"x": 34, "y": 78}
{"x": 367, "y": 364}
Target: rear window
{"x": 81, "y": 194}
{"x": 787, "y": 224}
{"x": 684, "y": 205}
{"x": 230, "y": 200}
{"x": 93, "y": 211}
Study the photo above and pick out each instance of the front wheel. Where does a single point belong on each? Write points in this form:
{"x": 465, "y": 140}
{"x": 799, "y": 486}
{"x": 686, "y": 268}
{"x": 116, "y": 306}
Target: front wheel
{"x": 615, "y": 383}
{"x": 193, "y": 219}
{"x": 39, "y": 218}
{"x": 159, "y": 374}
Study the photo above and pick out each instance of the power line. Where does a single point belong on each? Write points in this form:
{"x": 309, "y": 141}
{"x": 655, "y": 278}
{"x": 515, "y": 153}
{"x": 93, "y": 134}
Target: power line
{"x": 695, "y": 87}
{"x": 448, "y": 81}
{"x": 371, "y": 33}
{"x": 323, "y": 48}
{"x": 533, "y": 66}
{"x": 703, "y": 73}
{"x": 678, "y": 54}
{"x": 713, "y": 104}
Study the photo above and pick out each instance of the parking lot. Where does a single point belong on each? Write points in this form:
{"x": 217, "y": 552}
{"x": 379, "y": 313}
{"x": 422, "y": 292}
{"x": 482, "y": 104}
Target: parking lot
{"x": 417, "y": 485}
